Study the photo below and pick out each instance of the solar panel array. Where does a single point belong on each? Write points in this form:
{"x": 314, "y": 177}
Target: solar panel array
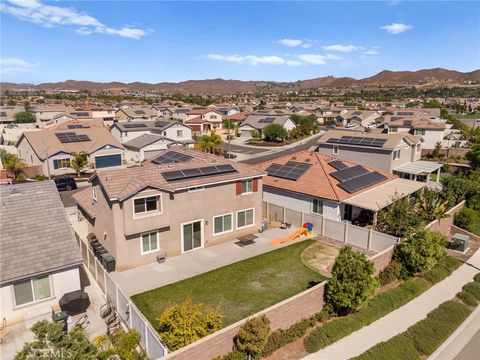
{"x": 134, "y": 126}
{"x": 354, "y": 140}
{"x": 292, "y": 170}
{"x": 197, "y": 172}
{"x": 3, "y": 113}
{"x": 139, "y": 112}
{"x": 337, "y": 164}
{"x": 405, "y": 113}
{"x": 69, "y": 137}
{"x": 171, "y": 157}
{"x": 81, "y": 114}
{"x": 161, "y": 124}
{"x": 75, "y": 126}
{"x": 267, "y": 120}
{"x": 355, "y": 178}
{"x": 407, "y": 122}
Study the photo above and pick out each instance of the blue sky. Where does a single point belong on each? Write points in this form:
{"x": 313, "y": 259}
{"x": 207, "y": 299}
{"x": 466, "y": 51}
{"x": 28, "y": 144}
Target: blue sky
{"x": 153, "y": 41}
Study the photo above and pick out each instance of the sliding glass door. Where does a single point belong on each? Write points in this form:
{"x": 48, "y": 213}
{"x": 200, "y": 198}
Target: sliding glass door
{"x": 192, "y": 235}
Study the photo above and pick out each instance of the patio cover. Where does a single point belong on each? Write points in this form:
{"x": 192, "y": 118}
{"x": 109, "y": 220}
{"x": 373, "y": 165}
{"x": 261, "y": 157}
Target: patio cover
{"x": 383, "y": 195}
{"x": 419, "y": 167}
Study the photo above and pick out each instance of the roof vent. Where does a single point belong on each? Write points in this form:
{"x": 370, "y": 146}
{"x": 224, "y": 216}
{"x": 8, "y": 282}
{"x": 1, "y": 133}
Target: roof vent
{"x": 213, "y": 161}
{"x": 14, "y": 191}
{"x": 170, "y": 166}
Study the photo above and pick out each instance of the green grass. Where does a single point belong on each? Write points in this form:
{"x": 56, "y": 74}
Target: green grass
{"x": 467, "y": 117}
{"x": 423, "y": 338}
{"x": 240, "y": 289}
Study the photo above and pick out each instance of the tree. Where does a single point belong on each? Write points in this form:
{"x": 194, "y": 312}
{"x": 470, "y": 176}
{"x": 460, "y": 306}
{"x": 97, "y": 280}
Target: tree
{"x": 79, "y": 161}
{"x": 252, "y": 336}
{"x": 352, "y": 283}
{"x": 11, "y": 102}
{"x": 473, "y": 156}
{"x": 430, "y": 205}
{"x": 4, "y": 156}
{"x": 468, "y": 219}
{"x": 399, "y": 218}
{"x": 123, "y": 345}
{"x": 210, "y": 142}
{"x": 186, "y": 322}
{"x": 24, "y": 117}
{"x": 436, "y": 151}
{"x": 50, "y": 342}
{"x": 15, "y": 166}
{"x": 256, "y": 134}
{"x": 274, "y": 132}
{"x": 420, "y": 251}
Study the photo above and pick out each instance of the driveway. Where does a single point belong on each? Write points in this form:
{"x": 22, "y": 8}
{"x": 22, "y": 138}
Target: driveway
{"x": 66, "y": 196}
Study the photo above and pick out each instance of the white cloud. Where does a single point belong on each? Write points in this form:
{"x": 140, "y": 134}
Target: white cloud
{"x": 313, "y": 59}
{"x": 396, "y": 28}
{"x": 341, "y": 48}
{"x": 52, "y": 16}
{"x": 372, "y": 51}
{"x": 295, "y": 43}
{"x": 291, "y": 60}
{"x": 15, "y": 65}
{"x": 294, "y": 63}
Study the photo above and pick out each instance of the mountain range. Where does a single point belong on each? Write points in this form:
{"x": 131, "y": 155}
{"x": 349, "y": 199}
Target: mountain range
{"x": 386, "y": 78}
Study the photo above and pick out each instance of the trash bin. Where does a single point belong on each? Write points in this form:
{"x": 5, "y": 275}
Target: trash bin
{"x": 61, "y": 316}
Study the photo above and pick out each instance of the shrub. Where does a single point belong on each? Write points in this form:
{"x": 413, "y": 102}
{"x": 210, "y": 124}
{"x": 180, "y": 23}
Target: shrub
{"x": 436, "y": 274}
{"x": 352, "y": 283}
{"x": 419, "y": 251}
{"x": 399, "y": 348}
{"x": 477, "y": 278}
{"x": 473, "y": 288}
{"x": 233, "y": 355}
{"x": 467, "y": 298}
{"x": 399, "y": 219}
{"x": 274, "y": 132}
{"x": 390, "y": 273}
{"x": 330, "y": 332}
{"x": 186, "y": 322}
{"x": 253, "y": 335}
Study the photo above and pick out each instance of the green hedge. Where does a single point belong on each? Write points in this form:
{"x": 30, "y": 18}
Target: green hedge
{"x": 477, "y": 278}
{"x": 467, "y": 298}
{"x": 473, "y": 288}
{"x": 379, "y": 306}
{"x": 423, "y": 338}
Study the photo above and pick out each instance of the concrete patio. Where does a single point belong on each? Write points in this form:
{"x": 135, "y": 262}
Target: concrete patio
{"x": 154, "y": 275}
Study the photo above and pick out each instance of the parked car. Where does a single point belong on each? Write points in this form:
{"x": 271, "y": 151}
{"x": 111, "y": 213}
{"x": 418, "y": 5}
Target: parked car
{"x": 371, "y": 126}
{"x": 65, "y": 184}
{"x": 331, "y": 126}
{"x": 350, "y": 125}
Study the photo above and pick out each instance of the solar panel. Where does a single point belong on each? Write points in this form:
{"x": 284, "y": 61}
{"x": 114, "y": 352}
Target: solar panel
{"x": 139, "y": 112}
{"x": 78, "y": 126}
{"x": 337, "y": 165}
{"x": 292, "y": 170}
{"x": 161, "y": 124}
{"x": 378, "y": 142}
{"x": 69, "y": 137}
{"x": 362, "y": 182}
{"x": 334, "y": 140}
{"x": 197, "y": 172}
{"x": 81, "y": 114}
{"x": 267, "y": 120}
{"x": 405, "y": 113}
{"x": 133, "y": 126}
{"x": 3, "y": 114}
{"x": 171, "y": 157}
{"x": 356, "y": 140}
{"x": 407, "y": 122}
{"x": 349, "y": 173}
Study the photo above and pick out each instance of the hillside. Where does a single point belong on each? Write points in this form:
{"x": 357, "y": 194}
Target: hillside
{"x": 386, "y": 78}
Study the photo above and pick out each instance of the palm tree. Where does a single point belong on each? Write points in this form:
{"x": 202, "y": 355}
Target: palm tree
{"x": 471, "y": 134}
{"x": 431, "y": 205}
{"x": 79, "y": 161}
{"x": 209, "y": 142}
{"x": 15, "y": 165}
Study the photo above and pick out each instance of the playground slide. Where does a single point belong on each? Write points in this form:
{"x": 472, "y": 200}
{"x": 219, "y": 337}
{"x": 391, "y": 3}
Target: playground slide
{"x": 291, "y": 237}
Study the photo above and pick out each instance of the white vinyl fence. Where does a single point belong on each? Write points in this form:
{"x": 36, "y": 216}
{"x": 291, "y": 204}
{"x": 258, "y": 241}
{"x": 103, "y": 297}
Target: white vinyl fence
{"x": 126, "y": 309}
{"x": 333, "y": 229}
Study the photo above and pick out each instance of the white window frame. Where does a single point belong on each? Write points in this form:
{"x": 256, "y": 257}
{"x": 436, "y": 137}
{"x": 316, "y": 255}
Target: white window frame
{"x": 94, "y": 193}
{"x": 248, "y": 181}
{"x": 335, "y": 150}
{"x": 321, "y": 201}
{"x": 202, "y": 236}
{"x": 61, "y": 163}
{"x": 196, "y": 188}
{"x": 420, "y": 132}
{"x": 223, "y": 224}
{"x": 150, "y": 213}
{"x": 179, "y": 133}
{"x": 33, "y": 291}
{"x": 246, "y": 226}
{"x": 142, "y": 252}
{"x": 396, "y": 157}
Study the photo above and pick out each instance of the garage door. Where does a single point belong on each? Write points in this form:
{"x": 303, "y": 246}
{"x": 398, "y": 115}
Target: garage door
{"x": 108, "y": 161}
{"x": 246, "y": 133}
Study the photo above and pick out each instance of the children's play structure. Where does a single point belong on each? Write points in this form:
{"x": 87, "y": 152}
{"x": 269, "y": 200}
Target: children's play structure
{"x": 306, "y": 229}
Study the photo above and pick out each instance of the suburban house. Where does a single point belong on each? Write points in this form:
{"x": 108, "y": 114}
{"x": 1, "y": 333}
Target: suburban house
{"x": 398, "y": 152}
{"x": 432, "y": 132}
{"x": 204, "y": 120}
{"x": 311, "y": 183}
{"x": 69, "y": 116}
{"x": 179, "y": 201}
{"x": 227, "y": 110}
{"x": 52, "y": 147}
{"x": 135, "y": 113}
{"x": 45, "y": 113}
{"x": 260, "y": 122}
{"x": 7, "y": 113}
{"x": 40, "y": 257}
{"x": 358, "y": 118}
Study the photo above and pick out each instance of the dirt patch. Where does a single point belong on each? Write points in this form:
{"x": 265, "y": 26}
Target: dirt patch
{"x": 320, "y": 257}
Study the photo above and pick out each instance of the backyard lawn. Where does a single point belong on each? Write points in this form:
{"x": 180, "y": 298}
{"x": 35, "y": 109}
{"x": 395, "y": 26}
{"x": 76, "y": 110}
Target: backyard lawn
{"x": 240, "y": 289}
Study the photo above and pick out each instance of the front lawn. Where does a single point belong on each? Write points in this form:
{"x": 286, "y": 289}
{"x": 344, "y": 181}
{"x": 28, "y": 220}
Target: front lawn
{"x": 240, "y": 289}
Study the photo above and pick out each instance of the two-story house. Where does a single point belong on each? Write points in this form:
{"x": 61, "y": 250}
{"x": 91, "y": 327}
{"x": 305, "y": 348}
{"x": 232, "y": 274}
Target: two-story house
{"x": 397, "y": 153}
{"x": 180, "y": 201}
{"x": 135, "y": 113}
{"x": 204, "y": 120}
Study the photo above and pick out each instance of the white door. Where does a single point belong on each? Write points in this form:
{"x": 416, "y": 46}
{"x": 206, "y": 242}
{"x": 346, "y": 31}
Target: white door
{"x": 192, "y": 235}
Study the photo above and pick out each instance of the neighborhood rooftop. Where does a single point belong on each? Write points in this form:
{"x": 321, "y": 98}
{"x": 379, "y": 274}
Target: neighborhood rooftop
{"x": 35, "y": 234}
{"x": 360, "y": 138}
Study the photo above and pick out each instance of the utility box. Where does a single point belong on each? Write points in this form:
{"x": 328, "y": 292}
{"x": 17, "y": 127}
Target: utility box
{"x": 459, "y": 242}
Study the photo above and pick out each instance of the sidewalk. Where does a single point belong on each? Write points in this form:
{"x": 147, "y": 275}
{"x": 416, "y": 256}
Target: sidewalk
{"x": 401, "y": 319}
{"x": 241, "y": 142}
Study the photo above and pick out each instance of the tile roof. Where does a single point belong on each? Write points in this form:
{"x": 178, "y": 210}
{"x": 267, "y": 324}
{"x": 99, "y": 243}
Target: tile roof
{"x": 196, "y": 120}
{"x": 414, "y": 122}
{"x": 35, "y": 234}
{"x": 8, "y": 112}
{"x": 146, "y": 139}
{"x": 317, "y": 181}
{"x": 122, "y": 183}
{"x": 239, "y": 116}
{"x": 259, "y": 121}
{"x": 46, "y": 140}
{"x": 159, "y": 124}
{"x": 85, "y": 200}
{"x": 392, "y": 139}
